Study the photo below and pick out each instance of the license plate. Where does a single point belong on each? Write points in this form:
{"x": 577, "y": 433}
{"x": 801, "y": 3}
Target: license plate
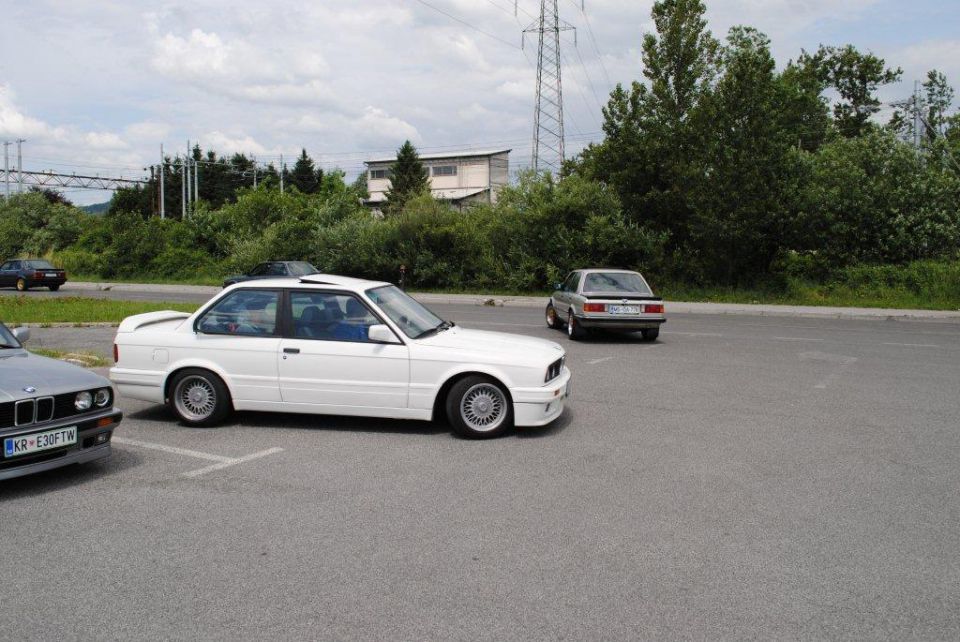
{"x": 623, "y": 309}
{"x": 51, "y": 275}
{"x": 26, "y": 444}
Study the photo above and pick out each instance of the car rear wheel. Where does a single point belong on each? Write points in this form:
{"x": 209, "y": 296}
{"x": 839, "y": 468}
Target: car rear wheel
{"x": 553, "y": 319}
{"x": 650, "y": 334}
{"x": 479, "y": 408}
{"x": 199, "y": 398}
{"x": 22, "y": 285}
{"x": 574, "y": 331}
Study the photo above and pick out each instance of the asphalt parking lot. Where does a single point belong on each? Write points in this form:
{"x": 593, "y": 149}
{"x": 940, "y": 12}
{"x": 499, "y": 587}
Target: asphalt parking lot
{"x": 742, "y": 477}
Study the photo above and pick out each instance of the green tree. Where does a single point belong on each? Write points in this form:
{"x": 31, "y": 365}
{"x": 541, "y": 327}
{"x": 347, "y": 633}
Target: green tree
{"x": 856, "y": 77}
{"x": 408, "y": 178}
{"x": 305, "y": 177}
{"x": 743, "y": 165}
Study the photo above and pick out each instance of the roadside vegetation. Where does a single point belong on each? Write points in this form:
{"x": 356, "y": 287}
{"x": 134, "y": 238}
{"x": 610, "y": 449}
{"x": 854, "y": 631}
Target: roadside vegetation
{"x": 83, "y": 358}
{"x": 19, "y": 309}
{"x": 720, "y": 177}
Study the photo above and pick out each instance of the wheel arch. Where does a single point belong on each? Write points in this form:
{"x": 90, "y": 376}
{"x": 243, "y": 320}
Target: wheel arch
{"x": 441, "y": 397}
{"x": 199, "y": 365}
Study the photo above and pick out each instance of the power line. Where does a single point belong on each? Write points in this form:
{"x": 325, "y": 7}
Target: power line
{"x": 593, "y": 40}
{"x": 468, "y": 24}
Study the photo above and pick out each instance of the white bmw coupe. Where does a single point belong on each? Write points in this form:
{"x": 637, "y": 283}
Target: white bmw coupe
{"x": 335, "y": 345}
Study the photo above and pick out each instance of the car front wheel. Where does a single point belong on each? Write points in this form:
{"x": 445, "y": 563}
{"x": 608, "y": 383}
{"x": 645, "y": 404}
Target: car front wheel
{"x": 479, "y": 408}
{"x": 22, "y": 285}
{"x": 199, "y": 398}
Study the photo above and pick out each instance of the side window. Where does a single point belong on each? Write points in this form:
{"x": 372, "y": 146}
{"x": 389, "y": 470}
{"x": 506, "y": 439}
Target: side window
{"x": 328, "y": 316}
{"x": 7, "y": 266}
{"x": 570, "y": 285}
{"x": 14, "y": 265}
{"x": 276, "y": 269}
{"x": 251, "y": 313}
{"x": 259, "y": 270}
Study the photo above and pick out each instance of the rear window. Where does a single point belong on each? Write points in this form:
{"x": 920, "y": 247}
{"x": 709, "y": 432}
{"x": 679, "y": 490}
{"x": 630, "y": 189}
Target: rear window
{"x": 616, "y": 282}
{"x": 301, "y": 268}
{"x": 39, "y": 265}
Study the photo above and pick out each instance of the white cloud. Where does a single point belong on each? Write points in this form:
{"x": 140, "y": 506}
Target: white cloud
{"x": 15, "y": 124}
{"x": 377, "y": 127}
{"x": 227, "y": 144}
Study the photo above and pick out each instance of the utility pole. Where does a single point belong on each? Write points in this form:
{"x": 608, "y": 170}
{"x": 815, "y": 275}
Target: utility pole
{"x": 163, "y": 211}
{"x": 186, "y": 168}
{"x": 916, "y": 115}
{"x": 6, "y": 165}
{"x": 196, "y": 177}
{"x": 282, "y": 168}
{"x": 254, "y": 172}
{"x": 183, "y": 189}
{"x": 548, "y": 136}
{"x": 20, "y": 141}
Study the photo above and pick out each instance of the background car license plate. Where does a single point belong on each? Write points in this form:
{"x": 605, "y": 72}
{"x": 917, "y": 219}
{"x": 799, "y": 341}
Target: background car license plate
{"x": 26, "y": 444}
{"x": 623, "y": 309}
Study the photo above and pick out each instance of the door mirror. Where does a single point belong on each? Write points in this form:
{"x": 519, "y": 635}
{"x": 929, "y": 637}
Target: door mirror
{"x": 22, "y": 334}
{"x": 381, "y": 334}
{"x": 558, "y": 286}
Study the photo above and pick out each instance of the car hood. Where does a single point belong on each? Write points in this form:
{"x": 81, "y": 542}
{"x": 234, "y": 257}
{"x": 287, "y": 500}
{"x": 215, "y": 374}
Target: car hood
{"x": 497, "y": 345}
{"x": 21, "y": 369}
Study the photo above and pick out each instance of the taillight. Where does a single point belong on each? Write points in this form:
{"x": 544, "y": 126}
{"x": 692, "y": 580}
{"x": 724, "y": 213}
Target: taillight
{"x": 594, "y": 307}
{"x": 653, "y": 308}
{"x": 38, "y": 275}
{"x": 116, "y": 353}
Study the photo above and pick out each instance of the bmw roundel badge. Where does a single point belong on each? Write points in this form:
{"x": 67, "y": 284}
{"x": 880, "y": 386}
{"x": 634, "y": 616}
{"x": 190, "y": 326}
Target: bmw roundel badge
{"x": 30, "y": 390}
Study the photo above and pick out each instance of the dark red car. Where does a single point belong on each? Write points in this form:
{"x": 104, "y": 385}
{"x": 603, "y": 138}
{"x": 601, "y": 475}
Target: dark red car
{"x": 24, "y": 274}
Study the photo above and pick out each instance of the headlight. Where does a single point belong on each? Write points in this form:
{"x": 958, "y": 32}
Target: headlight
{"x": 83, "y": 401}
{"x": 102, "y": 398}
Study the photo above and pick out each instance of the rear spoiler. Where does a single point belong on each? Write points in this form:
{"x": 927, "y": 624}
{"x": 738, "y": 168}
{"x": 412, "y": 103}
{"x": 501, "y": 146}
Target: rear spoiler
{"x": 137, "y": 321}
{"x": 596, "y": 296}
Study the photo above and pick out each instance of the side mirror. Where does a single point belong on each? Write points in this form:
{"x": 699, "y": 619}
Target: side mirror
{"x": 381, "y": 334}
{"x": 558, "y": 286}
{"x": 22, "y": 334}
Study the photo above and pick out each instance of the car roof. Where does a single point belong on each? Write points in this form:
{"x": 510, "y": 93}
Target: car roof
{"x": 335, "y": 280}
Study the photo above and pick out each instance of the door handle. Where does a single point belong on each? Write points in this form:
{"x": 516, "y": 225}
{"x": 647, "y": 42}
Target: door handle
{"x": 292, "y": 350}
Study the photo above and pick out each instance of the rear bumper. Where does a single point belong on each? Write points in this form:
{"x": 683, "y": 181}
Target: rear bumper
{"x": 615, "y": 323}
{"x": 42, "y": 283}
{"x": 85, "y": 450}
{"x": 145, "y": 385}
{"x": 540, "y": 406}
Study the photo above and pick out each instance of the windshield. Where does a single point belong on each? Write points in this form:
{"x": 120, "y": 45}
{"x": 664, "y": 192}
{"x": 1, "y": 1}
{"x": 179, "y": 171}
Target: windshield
{"x": 618, "y": 282}
{"x": 40, "y": 265}
{"x": 301, "y": 268}
{"x": 414, "y": 319}
{"x": 7, "y": 340}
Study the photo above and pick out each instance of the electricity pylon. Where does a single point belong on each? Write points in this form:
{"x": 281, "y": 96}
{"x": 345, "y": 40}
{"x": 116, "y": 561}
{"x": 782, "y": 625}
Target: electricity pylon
{"x": 548, "y": 113}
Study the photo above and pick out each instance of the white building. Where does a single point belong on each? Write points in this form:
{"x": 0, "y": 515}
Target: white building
{"x": 460, "y": 178}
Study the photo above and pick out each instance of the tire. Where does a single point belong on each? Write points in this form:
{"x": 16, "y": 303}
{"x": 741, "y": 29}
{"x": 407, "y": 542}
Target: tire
{"x": 574, "y": 331}
{"x": 22, "y": 285}
{"x": 479, "y": 408}
{"x": 54, "y": 288}
{"x": 650, "y": 334}
{"x": 553, "y": 319}
{"x": 199, "y": 397}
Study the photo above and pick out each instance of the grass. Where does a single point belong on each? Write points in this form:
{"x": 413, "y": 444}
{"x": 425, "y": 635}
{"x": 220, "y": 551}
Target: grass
{"x": 199, "y": 280}
{"x": 78, "y": 310}
{"x": 79, "y": 357}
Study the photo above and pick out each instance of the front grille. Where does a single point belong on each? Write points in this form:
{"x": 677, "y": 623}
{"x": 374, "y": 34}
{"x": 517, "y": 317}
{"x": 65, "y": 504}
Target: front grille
{"x": 24, "y": 412}
{"x": 44, "y": 409}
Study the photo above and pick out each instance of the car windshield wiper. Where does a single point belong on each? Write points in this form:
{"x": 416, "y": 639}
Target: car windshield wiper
{"x": 440, "y": 327}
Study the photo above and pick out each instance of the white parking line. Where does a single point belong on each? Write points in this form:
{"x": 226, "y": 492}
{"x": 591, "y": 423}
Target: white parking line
{"x": 232, "y": 462}
{"x": 222, "y": 462}
{"x": 601, "y": 360}
{"x": 170, "y": 449}
{"x": 913, "y": 345}
{"x": 692, "y": 334}
{"x": 796, "y": 339}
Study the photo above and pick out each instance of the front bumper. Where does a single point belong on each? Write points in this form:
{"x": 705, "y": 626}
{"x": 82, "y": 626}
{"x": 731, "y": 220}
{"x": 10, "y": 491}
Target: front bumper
{"x": 540, "y": 406}
{"x": 621, "y": 323}
{"x": 87, "y": 448}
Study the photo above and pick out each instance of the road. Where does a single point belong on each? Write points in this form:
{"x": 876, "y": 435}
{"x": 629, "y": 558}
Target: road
{"x": 742, "y": 477}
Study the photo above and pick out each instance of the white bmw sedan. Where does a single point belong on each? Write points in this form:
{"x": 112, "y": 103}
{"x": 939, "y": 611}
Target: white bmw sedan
{"x": 326, "y": 344}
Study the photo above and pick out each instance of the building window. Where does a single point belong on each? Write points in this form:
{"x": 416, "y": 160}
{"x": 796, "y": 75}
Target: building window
{"x": 445, "y": 170}
{"x": 379, "y": 173}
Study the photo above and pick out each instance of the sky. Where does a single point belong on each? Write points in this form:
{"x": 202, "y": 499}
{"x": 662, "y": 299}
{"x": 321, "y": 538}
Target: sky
{"x": 96, "y": 87}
